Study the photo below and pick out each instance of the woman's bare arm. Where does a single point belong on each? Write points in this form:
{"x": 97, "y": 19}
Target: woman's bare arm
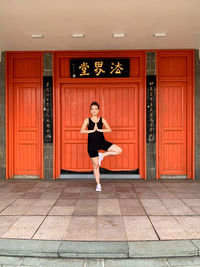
{"x": 83, "y": 128}
{"x": 108, "y": 129}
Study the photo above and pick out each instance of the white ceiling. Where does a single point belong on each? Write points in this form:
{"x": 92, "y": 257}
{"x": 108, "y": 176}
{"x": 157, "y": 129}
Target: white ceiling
{"x": 58, "y": 19}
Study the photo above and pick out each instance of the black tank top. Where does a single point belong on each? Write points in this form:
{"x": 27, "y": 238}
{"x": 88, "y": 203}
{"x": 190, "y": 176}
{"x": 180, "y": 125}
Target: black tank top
{"x": 95, "y": 138}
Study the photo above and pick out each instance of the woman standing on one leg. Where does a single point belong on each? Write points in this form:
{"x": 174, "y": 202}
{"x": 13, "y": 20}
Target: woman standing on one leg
{"x": 96, "y": 140}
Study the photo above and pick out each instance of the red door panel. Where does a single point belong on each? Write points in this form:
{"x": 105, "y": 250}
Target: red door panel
{"x": 173, "y": 128}
{"x": 26, "y": 129}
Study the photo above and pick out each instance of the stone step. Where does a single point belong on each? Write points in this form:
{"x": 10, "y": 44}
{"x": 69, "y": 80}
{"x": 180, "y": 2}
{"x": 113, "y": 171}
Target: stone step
{"x": 99, "y": 249}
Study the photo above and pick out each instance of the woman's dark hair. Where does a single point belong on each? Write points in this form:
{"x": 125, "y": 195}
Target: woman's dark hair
{"x": 94, "y": 103}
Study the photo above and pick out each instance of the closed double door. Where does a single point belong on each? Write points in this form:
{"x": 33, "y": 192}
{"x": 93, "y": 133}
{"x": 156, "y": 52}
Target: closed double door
{"x": 119, "y": 105}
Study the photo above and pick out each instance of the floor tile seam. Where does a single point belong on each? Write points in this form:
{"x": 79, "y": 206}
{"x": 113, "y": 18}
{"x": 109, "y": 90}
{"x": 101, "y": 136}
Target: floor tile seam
{"x": 153, "y": 226}
{"x": 177, "y": 214}
{"x": 168, "y": 263}
{"x": 174, "y": 217}
{"x": 196, "y": 212}
{"x": 12, "y": 224}
{"x": 123, "y": 225}
{"x": 142, "y": 206}
{"x": 99, "y": 198}
{"x": 170, "y": 212}
{"x": 198, "y": 248}
{"x": 168, "y": 191}
{"x": 136, "y": 241}
{"x": 182, "y": 226}
{"x": 168, "y": 188}
{"x": 55, "y": 202}
{"x": 150, "y": 220}
{"x": 21, "y": 261}
{"x": 93, "y": 215}
{"x": 185, "y": 203}
{"x": 45, "y": 216}
{"x": 190, "y": 207}
{"x": 36, "y": 230}
{"x": 8, "y": 205}
{"x": 24, "y": 214}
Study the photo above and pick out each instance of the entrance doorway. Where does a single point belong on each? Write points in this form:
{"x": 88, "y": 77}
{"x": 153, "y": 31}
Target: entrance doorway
{"x": 122, "y": 104}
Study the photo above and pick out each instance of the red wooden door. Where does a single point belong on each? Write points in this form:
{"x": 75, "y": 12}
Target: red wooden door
{"x": 118, "y": 105}
{"x": 175, "y": 114}
{"x": 24, "y": 111}
{"x": 173, "y": 128}
{"x": 26, "y": 128}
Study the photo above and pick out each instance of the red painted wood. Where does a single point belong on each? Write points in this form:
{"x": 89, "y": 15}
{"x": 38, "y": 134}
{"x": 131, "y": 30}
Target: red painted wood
{"x": 72, "y": 98}
{"x": 24, "y": 114}
{"x": 26, "y": 129}
{"x": 118, "y": 105}
{"x": 175, "y": 113}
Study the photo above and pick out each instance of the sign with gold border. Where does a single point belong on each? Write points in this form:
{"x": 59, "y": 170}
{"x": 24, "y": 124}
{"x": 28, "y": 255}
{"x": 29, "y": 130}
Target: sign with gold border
{"x": 99, "y": 68}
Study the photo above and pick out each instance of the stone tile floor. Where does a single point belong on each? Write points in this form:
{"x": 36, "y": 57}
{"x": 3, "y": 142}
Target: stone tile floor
{"x": 125, "y": 210}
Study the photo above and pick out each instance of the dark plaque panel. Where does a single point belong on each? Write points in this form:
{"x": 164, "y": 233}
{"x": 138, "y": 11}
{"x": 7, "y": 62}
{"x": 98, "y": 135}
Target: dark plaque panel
{"x": 151, "y": 108}
{"x": 99, "y": 68}
{"x": 48, "y": 109}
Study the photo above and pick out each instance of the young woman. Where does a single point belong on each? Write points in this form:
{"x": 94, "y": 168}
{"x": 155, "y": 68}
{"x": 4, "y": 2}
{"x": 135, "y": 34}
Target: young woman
{"x": 96, "y": 140}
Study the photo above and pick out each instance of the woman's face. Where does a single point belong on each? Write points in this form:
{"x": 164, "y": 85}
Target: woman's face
{"x": 94, "y": 110}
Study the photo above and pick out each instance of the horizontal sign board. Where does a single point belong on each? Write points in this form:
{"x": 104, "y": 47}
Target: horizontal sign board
{"x": 99, "y": 68}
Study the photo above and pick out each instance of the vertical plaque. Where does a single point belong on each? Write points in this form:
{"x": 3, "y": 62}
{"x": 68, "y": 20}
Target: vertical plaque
{"x": 48, "y": 109}
{"x": 151, "y": 109}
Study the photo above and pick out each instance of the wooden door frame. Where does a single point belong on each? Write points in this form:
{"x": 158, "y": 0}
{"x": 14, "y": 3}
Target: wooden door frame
{"x": 190, "y": 140}
{"x": 57, "y": 81}
{"x": 10, "y": 109}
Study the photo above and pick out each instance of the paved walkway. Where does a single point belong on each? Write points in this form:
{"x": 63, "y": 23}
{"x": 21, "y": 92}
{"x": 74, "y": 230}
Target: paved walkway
{"x": 123, "y": 211}
{"x": 130, "y": 223}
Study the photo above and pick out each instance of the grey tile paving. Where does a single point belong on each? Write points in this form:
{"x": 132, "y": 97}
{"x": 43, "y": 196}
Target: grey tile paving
{"x": 124, "y": 210}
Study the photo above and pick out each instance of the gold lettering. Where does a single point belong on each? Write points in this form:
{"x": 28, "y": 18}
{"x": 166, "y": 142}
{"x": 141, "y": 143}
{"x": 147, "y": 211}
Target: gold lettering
{"x": 98, "y": 67}
{"x": 84, "y": 66}
{"x": 116, "y": 68}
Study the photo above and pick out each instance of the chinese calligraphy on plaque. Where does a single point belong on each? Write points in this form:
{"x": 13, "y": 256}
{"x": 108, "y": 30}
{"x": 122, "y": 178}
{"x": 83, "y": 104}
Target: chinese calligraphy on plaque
{"x": 99, "y": 68}
{"x": 151, "y": 109}
{"x": 48, "y": 109}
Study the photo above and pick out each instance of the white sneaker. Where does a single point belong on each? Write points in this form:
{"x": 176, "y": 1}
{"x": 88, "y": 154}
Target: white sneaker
{"x": 100, "y": 158}
{"x": 98, "y": 187}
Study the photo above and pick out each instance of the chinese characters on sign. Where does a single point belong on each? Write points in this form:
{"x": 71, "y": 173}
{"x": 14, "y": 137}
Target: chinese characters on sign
{"x": 48, "y": 109}
{"x": 99, "y": 68}
{"x": 151, "y": 109}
